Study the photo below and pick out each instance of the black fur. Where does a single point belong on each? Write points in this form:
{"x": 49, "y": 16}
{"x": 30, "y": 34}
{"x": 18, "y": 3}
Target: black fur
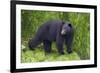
{"x": 51, "y": 31}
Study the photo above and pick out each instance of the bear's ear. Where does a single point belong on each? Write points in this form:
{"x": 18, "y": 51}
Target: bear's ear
{"x": 63, "y": 22}
{"x": 70, "y": 25}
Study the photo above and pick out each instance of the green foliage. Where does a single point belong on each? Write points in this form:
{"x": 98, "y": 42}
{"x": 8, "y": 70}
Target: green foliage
{"x": 32, "y": 20}
{"x": 82, "y": 34}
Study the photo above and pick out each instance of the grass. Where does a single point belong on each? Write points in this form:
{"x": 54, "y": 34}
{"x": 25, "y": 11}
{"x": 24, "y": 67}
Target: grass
{"x": 39, "y": 56}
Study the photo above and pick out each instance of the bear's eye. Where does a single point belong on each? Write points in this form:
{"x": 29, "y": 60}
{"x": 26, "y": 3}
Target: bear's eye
{"x": 69, "y": 25}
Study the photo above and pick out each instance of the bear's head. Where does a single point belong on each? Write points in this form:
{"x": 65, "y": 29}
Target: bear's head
{"x": 66, "y": 28}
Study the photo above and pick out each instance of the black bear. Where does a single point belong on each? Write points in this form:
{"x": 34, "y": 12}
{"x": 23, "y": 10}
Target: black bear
{"x": 54, "y": 30}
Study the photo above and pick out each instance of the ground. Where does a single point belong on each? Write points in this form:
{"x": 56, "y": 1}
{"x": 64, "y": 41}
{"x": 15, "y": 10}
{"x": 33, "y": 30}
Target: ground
{"x": 39, "y": 56}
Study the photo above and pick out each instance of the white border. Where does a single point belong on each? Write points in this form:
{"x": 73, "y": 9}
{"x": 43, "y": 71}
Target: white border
{"x": 20, "y": 65}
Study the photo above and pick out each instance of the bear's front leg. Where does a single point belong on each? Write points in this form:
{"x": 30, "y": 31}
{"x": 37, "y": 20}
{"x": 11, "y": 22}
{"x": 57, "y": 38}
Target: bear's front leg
{"x": 59, "y": 43}
{"x": 47, "y": 46}
{"x": 68, "y": 42}
{"x": 60, "y": 48}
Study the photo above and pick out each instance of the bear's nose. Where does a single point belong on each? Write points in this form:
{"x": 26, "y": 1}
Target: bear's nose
{"x": 63, "y": 32}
